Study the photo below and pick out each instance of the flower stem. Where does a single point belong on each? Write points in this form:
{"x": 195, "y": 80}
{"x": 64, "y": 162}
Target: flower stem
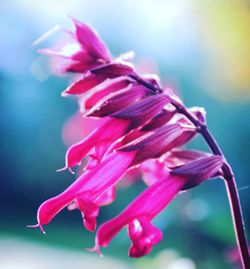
{"x": 230, "y": 183}
{"x": 231, "y": 188}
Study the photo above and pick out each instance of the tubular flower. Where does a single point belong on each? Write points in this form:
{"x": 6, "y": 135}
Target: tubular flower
{"x": 84, "y": 49}
{"x": 139, "y": 214}
{"x": 93, "y": 185}
{"x": 88, "y": 189}
{"x": 138, "y": 125}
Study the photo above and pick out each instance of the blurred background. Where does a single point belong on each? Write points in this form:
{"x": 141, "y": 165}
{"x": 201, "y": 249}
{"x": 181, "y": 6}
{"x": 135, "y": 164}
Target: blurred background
{"x": 201, "y": 48}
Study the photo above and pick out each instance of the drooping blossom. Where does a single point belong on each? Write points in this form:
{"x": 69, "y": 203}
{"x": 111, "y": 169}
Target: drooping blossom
{"x": 116, "y": 126}
{"x": 88, "y": 187}
{"x": 91, "y": 185}
{"x": 137, "y": 126}
{"x": 139, "y": 214}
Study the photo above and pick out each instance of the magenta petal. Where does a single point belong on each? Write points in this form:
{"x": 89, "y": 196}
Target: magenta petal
{"x": 143, "y": 236}
{"x": 199, "y": 170}
{"x": 83, "y": 85}
{"x": 153, "y": 171}
{"x": 80, "y": 55}
{"x": 117, "y": 101}
{"x": 181, "y": 157}
{"x": 107, "y": 197}
{"x": 146, "y": 206}
{"x": 143, "y": 110}
{"x": 162, "y": 118}
{"x": 79, "y": 66}
{"x": 91, "y": 41}
{"x": 101, "y": 138}
{"x": 131, "y": 136}
{"x": 52, "y": 207}
{"x": 91, "y": 185}
{"x": 153, "y": 145}
{"x": 89, "y": 212}
{"x": 183, "y": 138}
{"x": 105, "y": 88}
{"x": 114, "y": 69}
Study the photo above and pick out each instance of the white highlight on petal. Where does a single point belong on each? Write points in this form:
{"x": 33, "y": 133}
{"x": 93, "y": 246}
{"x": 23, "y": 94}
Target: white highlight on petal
{"x": 70, "y": 49}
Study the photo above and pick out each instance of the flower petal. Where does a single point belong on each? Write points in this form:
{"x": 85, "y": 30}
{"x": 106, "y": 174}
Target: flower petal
{"x": 163, "y": 139}
{"x": 143, "y": 110}
{"x": 107, "y": 197}
{"x": 117, "y": 101}
{"x": 105, "y": 88}
{"x": 89, "y": 212}
{"x": 181, "y": 157}
{"x": 101, "y": 138}
{"x": 199, "y": 170}
{"x": 71, "y": 51}
{"x": 79, "y": 66}
{"x": 163, "y": 117}
{"x": 146, "y": 206}
{"x": 90, "y": 185}
{"x": 143, "y": 236}
{"x": 153, "y": 171}
{"x": 114, "y": 69}
{"x": 91, "y": 41}
{"x": 84, "y": 84}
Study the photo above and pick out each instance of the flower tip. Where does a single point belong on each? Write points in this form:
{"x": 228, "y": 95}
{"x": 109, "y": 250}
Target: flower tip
{"x": 71, "y": 171}
{"x": 96, "y": 249}
{"x": 74, "y": 20}
{"x": 36, "y": 226}
{"x": 64, "y": 93}
{"x": 62, "y": 169}
{"x": 65, "y": 168}
{"x": 76, "y": 23}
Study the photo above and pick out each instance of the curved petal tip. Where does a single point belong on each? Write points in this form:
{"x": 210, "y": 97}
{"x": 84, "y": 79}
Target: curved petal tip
{"x": 96, "y": 249}
{"x": 65, "y": 168}
{"x": 37, "y": 226}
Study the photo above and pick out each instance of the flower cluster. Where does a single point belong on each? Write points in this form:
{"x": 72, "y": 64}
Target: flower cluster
{"x": 139, "y": 127}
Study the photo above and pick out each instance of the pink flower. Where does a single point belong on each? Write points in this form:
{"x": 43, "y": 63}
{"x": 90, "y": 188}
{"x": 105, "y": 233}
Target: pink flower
{"x": 117, "y": 101}
{"x": 100, "y": 139}
{"x": 115, "y": 127}
{"x": 88, "y": 190}
{"x": 139, "y": 125}
{"x": 76, "y": 127}
{"x": 95, "y": 77}
{"x": 104, "y": 89}
{"x": 94, "y": 183}
{"x": 84, "y": 49}
{"x": 139, "y": 214}
{"x": 154, "y": 170}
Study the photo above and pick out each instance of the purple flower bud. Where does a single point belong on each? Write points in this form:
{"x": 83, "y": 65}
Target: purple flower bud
{"x": 162, "y": 118}
{"x": 199, "y": 170}
{"x": 181, "y": 157}
{"x": 143, "y": 110}
{"x": 153, "y": 145}
{"x": 114, "y": 69}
